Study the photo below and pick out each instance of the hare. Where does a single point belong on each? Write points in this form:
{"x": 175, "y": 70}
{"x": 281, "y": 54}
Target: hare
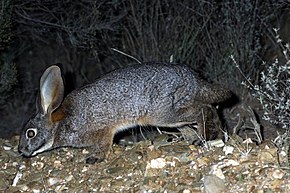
{"x": 155, "y": 94}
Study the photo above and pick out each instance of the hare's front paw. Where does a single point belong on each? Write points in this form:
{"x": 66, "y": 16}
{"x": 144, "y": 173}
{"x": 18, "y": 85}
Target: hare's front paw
{"x": 97, "y": 154}
{"x": 94, "y": 159}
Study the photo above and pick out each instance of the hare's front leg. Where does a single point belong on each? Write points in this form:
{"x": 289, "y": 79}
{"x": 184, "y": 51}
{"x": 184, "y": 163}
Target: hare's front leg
{"x": 102, "y": 143}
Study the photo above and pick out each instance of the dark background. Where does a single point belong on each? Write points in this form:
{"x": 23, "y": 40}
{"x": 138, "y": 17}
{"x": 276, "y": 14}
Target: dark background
{"x": 81, "y": 35}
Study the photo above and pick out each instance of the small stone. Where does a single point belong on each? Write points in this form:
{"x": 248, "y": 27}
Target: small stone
{"x": 228, "y": 149}
{"x": 69, "y": 178}
{"x": 278, "y": 174}
{"x": 7, "y": 148}
{"x": 85, "y": 152}
{"x": 21, "y": 167}
{"x": 213, "y": 184}
{"x": 268, "y": 155}
{"x": 36, "y": 191}
{"x": 283, "y": 153}
{"x": 57, "y": 164}
{"x": 219, "y": 173}
{"x": 24, "y": 188}
{"x": 157, "y": 163}
{"x": 84, "y": 169}
{"x": 276, "y": 183}
{"x": 39, "y": 165}
{"x": 53, "y": 181}
{"x": 216, "y": 143}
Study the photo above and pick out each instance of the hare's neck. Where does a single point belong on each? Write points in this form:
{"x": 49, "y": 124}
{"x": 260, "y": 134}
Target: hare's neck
{"x": 69, "y": 132}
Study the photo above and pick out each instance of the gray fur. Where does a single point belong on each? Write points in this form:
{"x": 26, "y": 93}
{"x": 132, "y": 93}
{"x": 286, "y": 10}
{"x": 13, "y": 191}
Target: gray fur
{"x": 158, "y": 94}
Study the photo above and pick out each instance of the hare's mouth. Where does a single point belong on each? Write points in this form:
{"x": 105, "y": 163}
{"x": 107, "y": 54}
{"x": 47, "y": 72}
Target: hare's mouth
{"x": 24, "y": 153}
{"x": 46, "y": 146}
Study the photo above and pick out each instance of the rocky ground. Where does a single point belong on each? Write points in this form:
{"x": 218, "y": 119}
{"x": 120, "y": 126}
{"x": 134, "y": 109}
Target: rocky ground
{"x": 166, "y": 164}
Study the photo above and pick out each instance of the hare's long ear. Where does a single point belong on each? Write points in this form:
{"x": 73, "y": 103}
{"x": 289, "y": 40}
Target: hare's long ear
{"x": 51, "y": 90}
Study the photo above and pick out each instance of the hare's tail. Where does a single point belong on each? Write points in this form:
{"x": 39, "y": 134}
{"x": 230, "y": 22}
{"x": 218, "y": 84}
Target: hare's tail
{"x": 211, "y": 94}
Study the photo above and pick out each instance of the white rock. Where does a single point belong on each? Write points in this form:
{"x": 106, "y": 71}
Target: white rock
{"x": 157, "y": 163}
{"x": 278, "y": 174}
{"x": 53, "y": 181}
{"x": 216, "y": 143}
{"x": 7, "y": 148}
{"x": 228, "y": 149}
{"x": 213, "y": 184}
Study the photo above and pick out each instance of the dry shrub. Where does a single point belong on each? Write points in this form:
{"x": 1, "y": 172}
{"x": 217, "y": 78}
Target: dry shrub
{"x": 74, "y": 23}
{"x": 273, "y": 92}
{"x": 200, "y": 33}
{"x": 5, "y": 24}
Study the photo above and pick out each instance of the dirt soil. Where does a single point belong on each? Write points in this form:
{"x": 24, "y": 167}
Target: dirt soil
{"x": 161, "y": 165}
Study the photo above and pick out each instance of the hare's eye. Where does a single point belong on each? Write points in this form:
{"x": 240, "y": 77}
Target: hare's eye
{"x": 31, "y": 133}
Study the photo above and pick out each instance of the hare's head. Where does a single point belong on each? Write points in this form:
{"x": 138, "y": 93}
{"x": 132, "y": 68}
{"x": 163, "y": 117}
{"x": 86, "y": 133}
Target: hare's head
{"x": 38, "y": 134}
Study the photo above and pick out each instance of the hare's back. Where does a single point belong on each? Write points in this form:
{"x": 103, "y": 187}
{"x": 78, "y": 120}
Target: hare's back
{"x": 152, "y": 87}
{"x": 149, "y": 82}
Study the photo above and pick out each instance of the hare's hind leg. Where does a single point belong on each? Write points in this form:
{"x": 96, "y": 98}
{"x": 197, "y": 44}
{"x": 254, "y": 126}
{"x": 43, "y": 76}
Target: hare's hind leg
{"x": 206, "y": 117}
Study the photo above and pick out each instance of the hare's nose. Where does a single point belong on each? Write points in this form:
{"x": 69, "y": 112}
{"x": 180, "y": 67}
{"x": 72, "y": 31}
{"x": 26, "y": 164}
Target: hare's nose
{"x": 24, "y": 152}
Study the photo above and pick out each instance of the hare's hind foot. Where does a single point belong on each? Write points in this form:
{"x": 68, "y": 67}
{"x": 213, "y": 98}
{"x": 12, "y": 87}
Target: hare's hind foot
{"x": 209, "y": 124}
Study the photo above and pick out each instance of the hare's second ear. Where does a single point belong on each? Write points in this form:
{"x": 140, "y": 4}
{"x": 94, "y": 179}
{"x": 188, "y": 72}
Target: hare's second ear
{"x": 51, "y": 89}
